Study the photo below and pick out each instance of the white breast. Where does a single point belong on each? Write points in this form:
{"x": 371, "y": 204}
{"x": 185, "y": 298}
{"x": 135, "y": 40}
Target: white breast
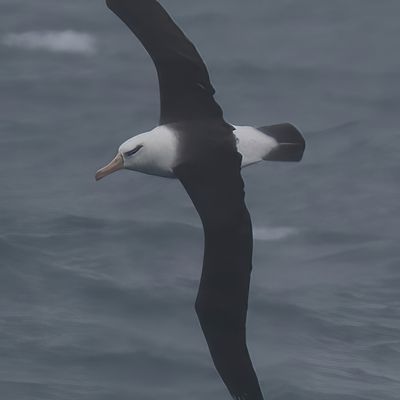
{"x": 252, "y": 144}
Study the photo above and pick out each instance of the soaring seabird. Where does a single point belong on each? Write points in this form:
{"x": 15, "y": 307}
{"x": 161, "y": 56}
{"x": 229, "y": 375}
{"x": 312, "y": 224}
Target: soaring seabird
{"x": 194, "y": 144}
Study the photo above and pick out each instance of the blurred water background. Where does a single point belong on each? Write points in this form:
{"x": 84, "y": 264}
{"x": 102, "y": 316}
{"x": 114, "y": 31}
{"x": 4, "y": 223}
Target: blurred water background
{"x": 98, "y": 280}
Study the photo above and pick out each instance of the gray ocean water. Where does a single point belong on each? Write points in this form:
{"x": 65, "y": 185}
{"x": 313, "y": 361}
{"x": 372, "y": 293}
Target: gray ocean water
{"x": 98, "y": 280}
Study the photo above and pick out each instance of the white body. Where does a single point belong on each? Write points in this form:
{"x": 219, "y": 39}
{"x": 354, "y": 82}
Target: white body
{"x": 160, "y": 146}
{"x": 253, "y": 144}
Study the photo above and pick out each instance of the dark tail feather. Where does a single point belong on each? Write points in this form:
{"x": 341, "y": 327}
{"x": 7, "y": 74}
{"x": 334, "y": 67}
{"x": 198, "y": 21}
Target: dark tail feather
{"x": 291, "y": 142}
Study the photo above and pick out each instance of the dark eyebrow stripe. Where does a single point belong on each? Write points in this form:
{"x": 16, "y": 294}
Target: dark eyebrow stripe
{"x": 131, "y": 152}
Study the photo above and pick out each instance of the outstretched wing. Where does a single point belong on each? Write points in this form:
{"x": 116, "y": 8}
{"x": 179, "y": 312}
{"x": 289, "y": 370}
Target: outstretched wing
{"x": 185, "y": 89}
{"x": 216, "y": 188}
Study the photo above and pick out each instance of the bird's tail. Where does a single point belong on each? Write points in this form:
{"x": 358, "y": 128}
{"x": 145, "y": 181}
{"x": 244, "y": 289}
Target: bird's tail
{"x": 291, "y": 142}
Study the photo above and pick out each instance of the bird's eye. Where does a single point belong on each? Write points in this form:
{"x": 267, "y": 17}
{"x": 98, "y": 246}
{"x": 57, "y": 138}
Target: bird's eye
{"x": 132, "y": 152}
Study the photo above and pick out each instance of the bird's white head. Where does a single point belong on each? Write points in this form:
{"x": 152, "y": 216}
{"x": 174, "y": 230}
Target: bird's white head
{"x": 152, "y": 152}
{"x": 131, "y": 155}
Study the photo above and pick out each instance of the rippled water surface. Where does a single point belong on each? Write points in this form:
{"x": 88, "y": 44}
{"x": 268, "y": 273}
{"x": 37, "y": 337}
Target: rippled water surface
{"x": 98, "y": 280}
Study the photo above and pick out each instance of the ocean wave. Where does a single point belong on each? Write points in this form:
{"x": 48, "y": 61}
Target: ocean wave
{"x": 272, "y": 234}
{"x": 68, "y": 41}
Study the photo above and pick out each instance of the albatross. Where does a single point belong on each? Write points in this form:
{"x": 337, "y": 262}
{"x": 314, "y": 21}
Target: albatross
{"x": 194, "y": 144}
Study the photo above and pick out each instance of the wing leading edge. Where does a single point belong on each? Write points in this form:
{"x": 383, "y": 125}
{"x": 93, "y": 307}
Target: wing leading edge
{"x": 186, "y": 92}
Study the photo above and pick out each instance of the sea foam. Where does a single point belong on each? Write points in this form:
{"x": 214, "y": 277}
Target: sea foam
{"x": 68, "y": 41}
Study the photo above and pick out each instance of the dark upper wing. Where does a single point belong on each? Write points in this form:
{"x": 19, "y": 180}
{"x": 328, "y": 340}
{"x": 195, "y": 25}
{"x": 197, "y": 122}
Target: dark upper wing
{"x": 185, "y": 89}
{"x": 216, "y": 188}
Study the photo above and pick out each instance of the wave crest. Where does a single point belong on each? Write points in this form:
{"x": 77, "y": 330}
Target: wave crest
{"x": 55, "y": 41}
